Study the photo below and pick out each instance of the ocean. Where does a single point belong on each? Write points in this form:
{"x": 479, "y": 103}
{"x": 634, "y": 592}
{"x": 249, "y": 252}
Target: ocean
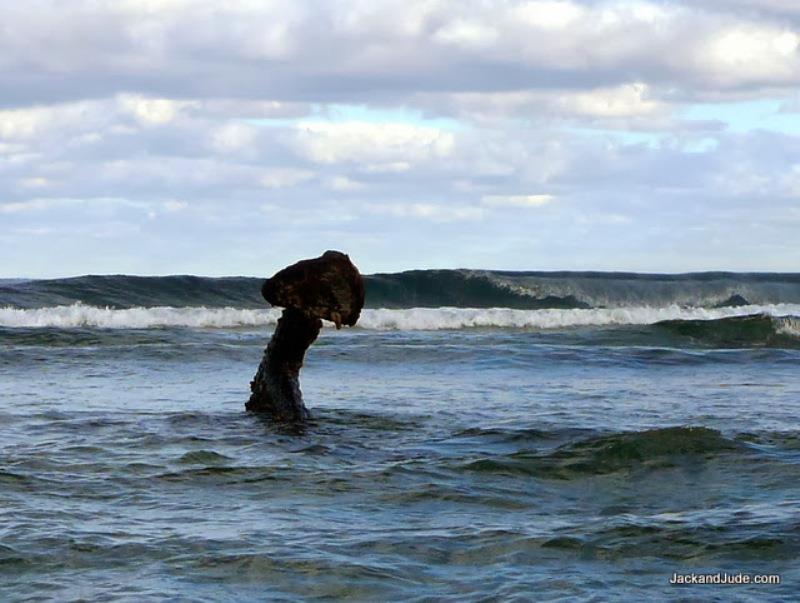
{"x": 479, "y": 436}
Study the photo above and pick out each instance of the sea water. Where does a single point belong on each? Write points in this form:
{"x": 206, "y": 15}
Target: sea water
{"x": 462, "y": 454}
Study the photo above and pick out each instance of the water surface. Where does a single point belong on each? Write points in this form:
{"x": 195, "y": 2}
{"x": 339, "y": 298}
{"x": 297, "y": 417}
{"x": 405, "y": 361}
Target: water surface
{"x": 573, "y": 463}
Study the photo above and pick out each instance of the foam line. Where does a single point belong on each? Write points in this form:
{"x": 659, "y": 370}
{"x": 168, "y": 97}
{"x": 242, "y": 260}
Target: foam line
{"x": 425, "y": 319}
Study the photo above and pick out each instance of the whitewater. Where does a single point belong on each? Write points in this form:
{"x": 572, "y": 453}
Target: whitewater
{"x": 417, "y": 319}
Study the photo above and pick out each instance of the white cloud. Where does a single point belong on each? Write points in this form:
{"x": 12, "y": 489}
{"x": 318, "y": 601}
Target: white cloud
{"x": 627, "y": 100}
{"x": 34, "y": 182}
{"x": 151, "y": 111}
{"x": 466, "y": 34}
{"x": 252, "y": 109}
{"x": 743, "y": 54}
{"x": 633, "y": 105}
{"x": 285, "y": 177}
{"x": 548, "y": 14}
{"x": 391, "y": 167}
{"x": 769, "y": 7}
{"x": 372, "y": 143}
{"x": 389, "y": 19}
{"x": 233, "y": 137}
{"x": 296, "y": 52}
{"x": 37, "y": 121}
{"x": 35, "y": 232}
{"x": 174, "y": 206}
{"x": 458, "y": 112}
{"x": 151, "y": 6}
{"x": 429, "y": 211}
{"x": 516, "y": 200}
{"x": 37, "y": 204}
{"x": 21, "y": 123}
{"x": 345, "y": 184}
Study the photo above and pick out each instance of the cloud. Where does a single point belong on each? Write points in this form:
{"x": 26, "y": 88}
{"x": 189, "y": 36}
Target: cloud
{"x": 345, "y": 184}
{"x": 370, "y": 143}
{"x": 774, "y": 8}
{"x": 36, "y": 182}
{"x": 750, "y": 54}
{"x": 173, "y": 205}
{"x": 626, "y": 100}
{"x": 466, "y": 35}
{"x": 38, "y": 121}
{"x": 549, "y": 14}
{"x": 284, "y": 177}
{"x": 414, "y": 132}
{"x": 26, "y": 206}
{"x": 429, "y": 211}
{"x": 233, "y": 137}
{"x": 353, "y": 51}
{"x": 516, "y": 200}
{"x": 151, "y": 111}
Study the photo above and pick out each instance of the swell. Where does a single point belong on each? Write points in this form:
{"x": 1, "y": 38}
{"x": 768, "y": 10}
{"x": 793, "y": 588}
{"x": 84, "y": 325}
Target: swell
{"x": 121, "y": 292}
{"x": 425, "y": 289}
{"x": 599, "y": 455}
{"x": 739, "y": 331}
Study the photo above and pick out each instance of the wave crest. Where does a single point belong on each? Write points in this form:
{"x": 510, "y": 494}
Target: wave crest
{"x": 80, "y": 316}
{"x": 423, "y": 319}
{"x": 426, "y": 288}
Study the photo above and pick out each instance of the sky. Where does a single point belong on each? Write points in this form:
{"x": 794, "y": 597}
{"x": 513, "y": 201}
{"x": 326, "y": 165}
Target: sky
{"x": 201, "y": 137}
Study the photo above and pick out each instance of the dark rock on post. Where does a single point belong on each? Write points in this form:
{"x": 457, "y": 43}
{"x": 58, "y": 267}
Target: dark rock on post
{"x": 328, "y": 287}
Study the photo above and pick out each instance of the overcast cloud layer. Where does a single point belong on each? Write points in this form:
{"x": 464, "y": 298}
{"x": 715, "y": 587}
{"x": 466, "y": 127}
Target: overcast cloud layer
{"x": 177, "y": 136}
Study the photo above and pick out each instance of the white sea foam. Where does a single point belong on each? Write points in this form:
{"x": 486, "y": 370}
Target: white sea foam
{"x": 459, "y": 318}
{"x": 426, "y": 319}
{"x": 790, "y": 326}
{"x": 80, "y": 315}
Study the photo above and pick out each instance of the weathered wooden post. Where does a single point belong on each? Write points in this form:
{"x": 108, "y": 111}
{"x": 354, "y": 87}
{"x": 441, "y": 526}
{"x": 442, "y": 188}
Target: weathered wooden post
{"x": 328, "y": 287}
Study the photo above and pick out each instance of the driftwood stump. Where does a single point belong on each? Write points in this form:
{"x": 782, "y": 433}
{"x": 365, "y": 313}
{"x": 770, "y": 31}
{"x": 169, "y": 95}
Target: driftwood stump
{"x": 328, "y": 287}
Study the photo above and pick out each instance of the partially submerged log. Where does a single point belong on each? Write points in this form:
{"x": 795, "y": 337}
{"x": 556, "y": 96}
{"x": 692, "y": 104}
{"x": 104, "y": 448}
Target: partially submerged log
{"x": 328, "y": 287}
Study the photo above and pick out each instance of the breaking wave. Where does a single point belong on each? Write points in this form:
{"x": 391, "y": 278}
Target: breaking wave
{"x": 426, "y": 289}
{"x": 79, "y": 315}
{"x": 753, "y": 323}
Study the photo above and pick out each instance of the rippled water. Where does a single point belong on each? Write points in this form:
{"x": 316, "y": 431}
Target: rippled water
{"x": 469, "y": 465}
